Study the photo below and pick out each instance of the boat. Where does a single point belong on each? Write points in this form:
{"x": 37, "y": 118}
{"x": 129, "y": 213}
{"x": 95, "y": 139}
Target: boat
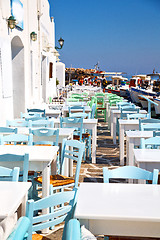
{"x": 118, "y": 85}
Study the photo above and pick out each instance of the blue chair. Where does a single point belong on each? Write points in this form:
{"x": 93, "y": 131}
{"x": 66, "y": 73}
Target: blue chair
{"x": 66, "y": 202}
{"x": 128, "y": 110}
{"x": 20, "y": 230}
{"x": 42, "y": 123}
{"x": 137, "y": 116}
{"x": 155, "y": 133}
{"x": 37, "y": 110}
{"x": 16, "y": 139}
{"x": 71, "y": 150}
{"x": 17, "y": 123}
{"x": 79, "y": 115}
{"x": 146, "y": 121}
{"x": 130, "y": 172}
{"x": 78, "y": 133}
{"x": 8, "y": 130}
{"x": 7, "y": 174}
{"x": 10, "y": 159}
{"x": 71, "y": 122}
{"x": 151, "y": 143}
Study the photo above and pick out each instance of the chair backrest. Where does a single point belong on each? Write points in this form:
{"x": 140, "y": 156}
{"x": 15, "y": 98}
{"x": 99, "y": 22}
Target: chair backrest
{"x": 100, "y": 94}
{"x": 8, "y": 130}
{"x": 127, "y": 106}
{"x": 42, "y": 123}
{"x": 36, "y": 118}
{"x": 123, "y": 104}
{"x": 74, "y": 153}
{"x": 17, "y": 123}
{"x": 130, "y": 172}
{"x": 20, "y": 230}
{"x": 100, "y": 101}
{"x": 152, "y": 143}
{"x": 10, "y": 159}
{"x": 150, "y": 127}
{"x": 72, "y": 100}
{"x": 146, "y": 121}
{"x": 64, "y": 204}
{"x": 43, "y": 136}
{"x": 37, "y": 110}
{"x": 72, "y": 108}
{"x": 126, "y": 111}
{"x": 7, "y": 174}
{"x": 28, "y": 115}
{"x": 16, "y": 139}
{"x": 71, "y": 122}
{"x": 137, "y": 116}
{"x": 79, "y": 115}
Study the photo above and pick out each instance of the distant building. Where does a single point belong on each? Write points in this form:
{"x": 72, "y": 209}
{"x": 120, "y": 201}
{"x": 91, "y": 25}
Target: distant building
{"x": 27, "y": 67}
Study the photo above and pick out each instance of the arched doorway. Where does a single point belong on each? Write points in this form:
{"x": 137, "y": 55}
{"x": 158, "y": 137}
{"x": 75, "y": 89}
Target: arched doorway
{"x": 18, "y": 76}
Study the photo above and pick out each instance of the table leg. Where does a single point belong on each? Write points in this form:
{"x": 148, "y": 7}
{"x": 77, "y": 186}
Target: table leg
{"x": 94, "y": 143}
{"x": 71, "y": 161}
{"x": 121, "y": 140}
{"x": 114, "y": 129}
{"x": 45, "y": 187}
{"x": 131, "y": 153}
{"x": 111, "y": 123}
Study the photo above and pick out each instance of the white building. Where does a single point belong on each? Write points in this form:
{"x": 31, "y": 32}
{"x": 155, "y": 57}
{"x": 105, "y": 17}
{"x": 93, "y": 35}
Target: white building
{"x": 27, "y": 68}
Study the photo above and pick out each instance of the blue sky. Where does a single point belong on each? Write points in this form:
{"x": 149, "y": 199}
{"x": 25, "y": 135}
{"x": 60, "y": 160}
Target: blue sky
{"x": 122, "y": 35}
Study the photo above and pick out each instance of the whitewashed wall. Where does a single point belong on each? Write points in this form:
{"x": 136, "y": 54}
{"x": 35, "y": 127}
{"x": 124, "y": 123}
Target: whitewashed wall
{"x": 60, "y": 73}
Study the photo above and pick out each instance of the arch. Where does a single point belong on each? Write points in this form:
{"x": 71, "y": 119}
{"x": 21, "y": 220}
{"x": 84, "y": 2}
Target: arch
{"x": 17, "y": 48}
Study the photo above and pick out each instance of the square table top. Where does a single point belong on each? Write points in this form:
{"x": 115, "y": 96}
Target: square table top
{"x": 139, "y": 134}
{"x": 12, "y": 194}
{"x": 121, "y": 202}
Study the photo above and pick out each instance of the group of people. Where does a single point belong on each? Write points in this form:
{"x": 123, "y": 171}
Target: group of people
{"x": 95, "y": 81}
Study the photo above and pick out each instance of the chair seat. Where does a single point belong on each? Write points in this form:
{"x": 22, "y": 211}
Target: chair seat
{"x": 57, "y": 180}
{"x": 84, "y": 135}
{"x": 39, "y": 237}
{"x": 101, "y": 108}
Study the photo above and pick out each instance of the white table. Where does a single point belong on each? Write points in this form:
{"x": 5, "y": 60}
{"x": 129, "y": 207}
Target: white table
{"x": 40, "y": 159}
{"x": 119, "y": 209}
{"x": 133, "y": 138}
{"x": 52, "y": 112}
{"x": 148, "y": 159}
{"x": 13, "y": 194}
{"x": 114, "y": 115}
{"x": 65, "y": 110}
{"x": 87, "y": 124}
{"x": 125, "y": 125}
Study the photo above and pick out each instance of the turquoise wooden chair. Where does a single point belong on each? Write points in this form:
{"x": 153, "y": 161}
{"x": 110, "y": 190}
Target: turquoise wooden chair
{"x": 71, "y": 150}
{"x": 79, "y": 115}
{"x": 70, "y": 122}
{"x": 20, "y": 230}
{"x": 16, "y": 139}
{"x": 130, "y": 172}
{"x": 137, "y": 116}
{"x": 42, "y": 123}
{"x": 17, "y": 123}
{"x": 37, "y": 110}
{"x": 17, "y": 160}
{"x": 146, "y": 121}
{"x": 7, "y": 174}
{"x": 151, "y": 143}
{"x": 127, "y": 110}
{"x": 64, "y": 203}
{"x": 79, "y": 134}
{"x": 8, "y": 130}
